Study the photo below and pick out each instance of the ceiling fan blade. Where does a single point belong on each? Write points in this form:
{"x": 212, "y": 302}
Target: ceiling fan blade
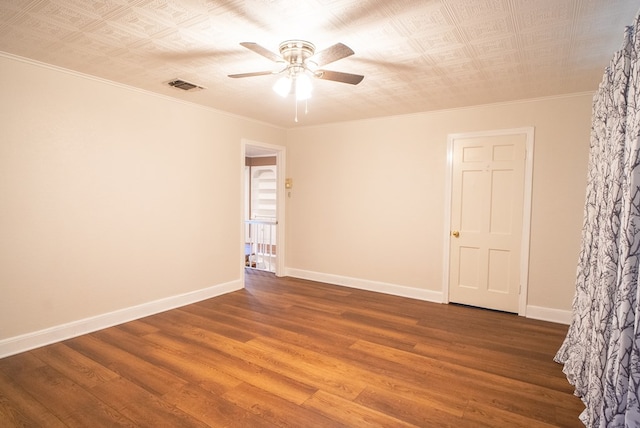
{"x": 262, "y": 51}
{"x": 337, "y": 76}
{"x": 331, "y": 54}
{"x": 255, "y": 73}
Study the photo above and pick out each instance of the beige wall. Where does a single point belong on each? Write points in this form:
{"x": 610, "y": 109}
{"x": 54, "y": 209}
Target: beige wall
{"x": 111, "y": 197}
{"x": 368, "y": 199}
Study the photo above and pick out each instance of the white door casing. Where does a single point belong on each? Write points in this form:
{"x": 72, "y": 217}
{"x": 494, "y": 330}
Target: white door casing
{"x": 488, "y": 213}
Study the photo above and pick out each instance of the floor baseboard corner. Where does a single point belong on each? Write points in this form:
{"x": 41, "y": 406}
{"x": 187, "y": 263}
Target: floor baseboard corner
{"x": 47, "y": 336}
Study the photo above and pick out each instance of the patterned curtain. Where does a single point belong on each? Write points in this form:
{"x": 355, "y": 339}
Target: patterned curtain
{"x": 600, "y": 353}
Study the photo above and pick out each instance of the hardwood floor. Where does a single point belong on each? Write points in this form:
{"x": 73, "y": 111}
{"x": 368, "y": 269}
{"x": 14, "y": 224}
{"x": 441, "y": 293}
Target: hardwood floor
{"x": 288, "y": 352}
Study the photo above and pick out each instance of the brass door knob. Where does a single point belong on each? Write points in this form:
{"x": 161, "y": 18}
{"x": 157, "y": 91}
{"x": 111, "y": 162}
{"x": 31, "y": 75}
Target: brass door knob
{"x": 455, "y": 233}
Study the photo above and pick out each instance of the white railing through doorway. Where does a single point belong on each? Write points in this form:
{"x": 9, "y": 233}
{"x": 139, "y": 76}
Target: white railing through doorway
{"x": 260, "y": 244}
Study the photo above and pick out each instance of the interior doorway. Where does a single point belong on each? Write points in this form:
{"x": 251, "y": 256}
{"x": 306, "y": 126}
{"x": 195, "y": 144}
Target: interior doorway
{"x": 263, "y": 222}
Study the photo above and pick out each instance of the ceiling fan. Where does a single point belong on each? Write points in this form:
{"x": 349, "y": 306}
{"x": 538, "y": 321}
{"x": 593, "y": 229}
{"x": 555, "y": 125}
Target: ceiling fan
{"x": 299, "y": 60}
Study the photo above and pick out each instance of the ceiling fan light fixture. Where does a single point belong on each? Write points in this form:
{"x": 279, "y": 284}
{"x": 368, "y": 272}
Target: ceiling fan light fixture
{"x": 303, "y": 87}
{"x": 299, "y": 61}
{"x": 282, "y": 86}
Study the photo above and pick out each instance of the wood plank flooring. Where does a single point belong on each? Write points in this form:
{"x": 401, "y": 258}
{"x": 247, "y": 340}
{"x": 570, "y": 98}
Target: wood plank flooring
{"x": 291, "y": 353}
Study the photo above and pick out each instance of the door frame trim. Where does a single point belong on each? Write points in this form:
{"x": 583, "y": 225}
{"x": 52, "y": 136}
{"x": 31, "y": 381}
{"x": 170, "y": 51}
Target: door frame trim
{"x": 280, "y": 153}
{"x": 526, "y": 212}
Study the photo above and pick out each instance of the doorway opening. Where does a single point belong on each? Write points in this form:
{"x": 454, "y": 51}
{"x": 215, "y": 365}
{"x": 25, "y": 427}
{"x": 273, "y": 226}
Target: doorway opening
{"x": 263, "y": 207}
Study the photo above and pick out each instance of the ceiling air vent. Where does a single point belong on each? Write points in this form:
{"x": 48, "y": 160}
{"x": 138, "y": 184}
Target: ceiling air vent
{"x": 184, "y": 85}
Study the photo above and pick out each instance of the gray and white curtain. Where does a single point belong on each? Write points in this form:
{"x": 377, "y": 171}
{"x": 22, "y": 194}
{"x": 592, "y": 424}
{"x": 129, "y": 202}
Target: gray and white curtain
{"x": 600, "y": 353}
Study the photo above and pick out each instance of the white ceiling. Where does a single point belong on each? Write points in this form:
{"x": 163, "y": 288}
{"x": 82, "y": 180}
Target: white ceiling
{"x": 415, "y": 55}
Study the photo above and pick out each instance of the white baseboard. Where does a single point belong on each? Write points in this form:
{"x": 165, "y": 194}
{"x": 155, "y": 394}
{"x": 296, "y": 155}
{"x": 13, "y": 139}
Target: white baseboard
{"x": 534, "y": 312}
{"x": 547, "y": 314}
{"x": 365, "y": 284}
{"x": 25, "y": 342}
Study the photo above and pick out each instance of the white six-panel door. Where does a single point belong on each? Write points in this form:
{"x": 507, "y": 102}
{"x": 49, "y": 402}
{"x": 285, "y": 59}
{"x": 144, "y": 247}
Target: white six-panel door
{"x": 487, "y": 202}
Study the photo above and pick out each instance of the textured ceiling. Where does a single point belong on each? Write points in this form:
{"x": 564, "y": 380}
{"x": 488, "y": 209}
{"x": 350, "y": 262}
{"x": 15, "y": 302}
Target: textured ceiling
{"x": 415, "y": 55}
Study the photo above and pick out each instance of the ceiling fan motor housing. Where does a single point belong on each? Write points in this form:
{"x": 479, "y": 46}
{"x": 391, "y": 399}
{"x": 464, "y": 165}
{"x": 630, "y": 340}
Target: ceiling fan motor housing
{"x": 295, "y": 53}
